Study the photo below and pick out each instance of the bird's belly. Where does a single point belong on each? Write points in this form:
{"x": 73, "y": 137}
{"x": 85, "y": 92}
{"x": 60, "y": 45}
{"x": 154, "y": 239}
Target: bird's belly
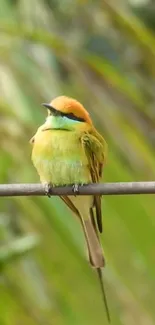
{"x": 62, "y": 172}
{"x": 61, "y": 161}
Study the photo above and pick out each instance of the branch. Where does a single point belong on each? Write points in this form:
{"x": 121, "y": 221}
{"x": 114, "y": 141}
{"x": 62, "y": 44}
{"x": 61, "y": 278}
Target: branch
{"x": 106, "y": 189}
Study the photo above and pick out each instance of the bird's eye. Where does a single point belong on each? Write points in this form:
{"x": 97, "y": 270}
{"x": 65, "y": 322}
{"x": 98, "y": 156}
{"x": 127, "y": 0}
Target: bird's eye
{"x": 75, "y": 118}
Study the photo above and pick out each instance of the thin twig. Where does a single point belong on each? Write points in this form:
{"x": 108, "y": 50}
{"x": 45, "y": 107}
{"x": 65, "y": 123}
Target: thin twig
{"x": 105, "y": 189}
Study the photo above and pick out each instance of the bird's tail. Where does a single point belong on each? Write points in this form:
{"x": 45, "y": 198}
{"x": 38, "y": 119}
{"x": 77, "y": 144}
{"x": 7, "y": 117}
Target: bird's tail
{"x": 99, "y": 272}
{"x": 95, "y": 254}
{"x": 94, "y": 248}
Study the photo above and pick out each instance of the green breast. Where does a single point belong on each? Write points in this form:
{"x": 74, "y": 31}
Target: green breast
{"x": 60, "y": 158}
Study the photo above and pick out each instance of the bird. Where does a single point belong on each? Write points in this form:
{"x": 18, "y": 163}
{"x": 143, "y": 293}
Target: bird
{"x": 68, "y": 150}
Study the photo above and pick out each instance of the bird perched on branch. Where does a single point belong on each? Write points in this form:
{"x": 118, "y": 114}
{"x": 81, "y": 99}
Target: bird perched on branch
{"x": 67, "y": 149}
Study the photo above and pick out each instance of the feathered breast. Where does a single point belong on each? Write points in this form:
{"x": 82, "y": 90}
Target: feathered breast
{"x": 59, "y": 157}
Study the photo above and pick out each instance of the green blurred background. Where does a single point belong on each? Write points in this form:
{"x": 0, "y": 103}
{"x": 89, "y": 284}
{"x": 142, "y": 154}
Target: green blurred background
{"x": 103, "y": 54}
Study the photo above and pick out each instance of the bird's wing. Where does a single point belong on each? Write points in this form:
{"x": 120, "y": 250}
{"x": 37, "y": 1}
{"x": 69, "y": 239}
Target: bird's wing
{"x": 95, "y": 148}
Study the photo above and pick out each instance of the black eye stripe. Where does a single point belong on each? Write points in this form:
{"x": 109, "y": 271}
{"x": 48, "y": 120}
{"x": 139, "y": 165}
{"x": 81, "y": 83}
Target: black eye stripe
{"x": 71, "y": 116}
{"x": 75, "y": 118}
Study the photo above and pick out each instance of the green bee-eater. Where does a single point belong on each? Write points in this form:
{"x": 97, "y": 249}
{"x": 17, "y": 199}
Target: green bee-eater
{"x": 67, "y": 149}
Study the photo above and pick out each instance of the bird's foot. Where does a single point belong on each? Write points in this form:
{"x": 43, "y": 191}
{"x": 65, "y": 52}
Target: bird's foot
{"x": 48, "y": 188}
{"x": 75, "y": 189}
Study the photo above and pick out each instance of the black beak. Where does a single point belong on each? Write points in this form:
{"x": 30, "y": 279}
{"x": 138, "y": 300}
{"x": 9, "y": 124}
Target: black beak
{"x": 47, "y": 106}
{"x": 51, "y": 108}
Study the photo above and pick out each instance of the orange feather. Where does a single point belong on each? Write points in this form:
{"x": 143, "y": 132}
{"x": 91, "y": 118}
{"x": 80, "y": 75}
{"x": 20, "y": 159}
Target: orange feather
{"x": 68, "y": 105}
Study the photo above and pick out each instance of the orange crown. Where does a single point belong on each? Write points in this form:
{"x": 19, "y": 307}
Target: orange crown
{"x": 69, "y": 105}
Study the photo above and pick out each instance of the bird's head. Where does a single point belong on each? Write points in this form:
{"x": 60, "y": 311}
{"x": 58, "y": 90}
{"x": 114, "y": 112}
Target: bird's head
{"x": 66, "y": 113}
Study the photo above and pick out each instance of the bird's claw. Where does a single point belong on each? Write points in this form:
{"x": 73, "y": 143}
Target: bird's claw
{"x": 48, "y": 189}
{"x": 75, "y": 189}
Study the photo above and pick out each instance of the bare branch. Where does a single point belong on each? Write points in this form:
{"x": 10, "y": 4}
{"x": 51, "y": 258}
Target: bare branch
{"x": 105, "y": 189}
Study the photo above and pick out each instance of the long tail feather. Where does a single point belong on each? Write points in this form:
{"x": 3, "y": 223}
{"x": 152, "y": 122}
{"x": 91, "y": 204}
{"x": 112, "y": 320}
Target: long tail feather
{"x": 99, "y": 272}
{"x": 93, "y": 244}
{"x": 96, "y": 257}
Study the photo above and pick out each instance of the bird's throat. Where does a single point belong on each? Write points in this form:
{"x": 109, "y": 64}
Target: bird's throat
{"x": 60, "y": 123}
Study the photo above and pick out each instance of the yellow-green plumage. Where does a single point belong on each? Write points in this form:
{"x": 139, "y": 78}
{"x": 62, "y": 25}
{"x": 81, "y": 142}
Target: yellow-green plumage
{"x": 67, "y": 149}
{"x": 60, "y": 158}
